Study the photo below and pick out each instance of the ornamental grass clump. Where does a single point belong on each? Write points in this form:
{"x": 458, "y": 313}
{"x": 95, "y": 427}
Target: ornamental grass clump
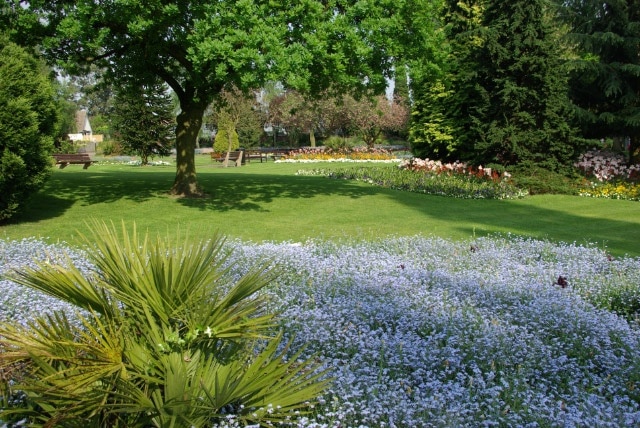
{"x": 151, "y": 333}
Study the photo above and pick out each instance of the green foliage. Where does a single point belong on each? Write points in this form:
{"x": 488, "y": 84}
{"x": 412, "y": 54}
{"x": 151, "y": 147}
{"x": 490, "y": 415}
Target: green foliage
{"x": 28, "y": 119}
{"x": 523, "y": 118}
{"x": 604, "y": 76}
{"x": 445, "y": 90}
{"x": 144, "y": 121}
{"x": 111, "y": 148}
{"x": 336, "y": 142}
{"x": 538, "y": 180}
{"x": 499, "y": 91}
{"x": 226, "y": 138}
{"x": 164, "y": 338}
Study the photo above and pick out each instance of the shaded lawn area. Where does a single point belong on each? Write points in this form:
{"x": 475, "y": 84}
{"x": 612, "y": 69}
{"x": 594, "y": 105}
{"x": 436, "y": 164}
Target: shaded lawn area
{"x": 261, "y": 202}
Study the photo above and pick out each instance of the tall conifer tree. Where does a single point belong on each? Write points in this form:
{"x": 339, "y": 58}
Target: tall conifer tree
{"x": 444, "y": 88}
{"x": 522, "y": 118}
{"x": 144, "y": 120}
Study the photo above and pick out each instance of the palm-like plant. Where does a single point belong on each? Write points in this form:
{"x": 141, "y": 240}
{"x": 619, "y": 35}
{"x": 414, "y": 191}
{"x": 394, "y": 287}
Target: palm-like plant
{"x": 163, "y": 341}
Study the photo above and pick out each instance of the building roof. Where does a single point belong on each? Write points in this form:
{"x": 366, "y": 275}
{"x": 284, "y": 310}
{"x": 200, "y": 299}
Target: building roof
{"x": 82, "y": 122}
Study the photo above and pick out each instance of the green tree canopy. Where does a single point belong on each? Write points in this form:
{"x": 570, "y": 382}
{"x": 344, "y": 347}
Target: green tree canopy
{"x": 198, "y": 47}
{"x": 28, "y": 124}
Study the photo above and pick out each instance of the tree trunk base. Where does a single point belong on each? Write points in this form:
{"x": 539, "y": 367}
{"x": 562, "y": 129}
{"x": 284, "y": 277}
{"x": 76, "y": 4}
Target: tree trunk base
{"x": 188, "y": 191}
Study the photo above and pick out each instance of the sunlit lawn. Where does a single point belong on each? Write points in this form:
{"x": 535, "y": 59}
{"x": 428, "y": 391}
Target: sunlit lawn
{"x": 267, "y": 201}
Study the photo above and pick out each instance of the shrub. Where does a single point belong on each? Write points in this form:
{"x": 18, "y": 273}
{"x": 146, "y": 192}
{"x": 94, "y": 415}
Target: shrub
{"x": 27, "y": 127}
{"x": 539, "y": 180}
{"x": 336, "y": 142}
{"x": 111, "y": 148}
{"x": 163, "y": 337}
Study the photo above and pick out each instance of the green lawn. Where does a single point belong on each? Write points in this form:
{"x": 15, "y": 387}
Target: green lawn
{"x": 268, "y": 201}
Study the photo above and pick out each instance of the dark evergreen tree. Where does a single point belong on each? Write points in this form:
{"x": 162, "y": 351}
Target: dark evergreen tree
{"x": 144, "y": 121}
{"x": 499, "y": 91}
{"x": 522, "y": 118}
{"x": 605, "y": 77}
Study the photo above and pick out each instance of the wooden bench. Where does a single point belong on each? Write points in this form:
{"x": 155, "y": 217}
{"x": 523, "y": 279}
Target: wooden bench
{"x": 64, "y": 159}
{"x": 235, "y": 157}
{"x": 275, "y": 153}
{"x": 255, "y": 154}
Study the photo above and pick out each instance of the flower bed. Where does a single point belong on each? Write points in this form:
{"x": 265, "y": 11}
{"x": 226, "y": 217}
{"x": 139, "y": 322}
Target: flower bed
{"x": 429, "y": 332}
{"x": 607, "y": 166}
{"x": 610, "y": 176}
{"x": 353, "y": 154}
{"x": 464, "y": 183}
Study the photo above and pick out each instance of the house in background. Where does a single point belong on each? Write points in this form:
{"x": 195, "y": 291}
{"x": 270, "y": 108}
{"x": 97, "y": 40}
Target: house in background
{"x": 84, "y": 134}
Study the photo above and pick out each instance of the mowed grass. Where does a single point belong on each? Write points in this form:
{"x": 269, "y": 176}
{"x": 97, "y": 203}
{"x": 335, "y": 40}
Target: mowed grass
{"x": 268, "y": 202}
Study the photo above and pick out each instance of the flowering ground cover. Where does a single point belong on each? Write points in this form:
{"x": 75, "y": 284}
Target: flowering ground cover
{"x": 463, "y": 183}
{"x": 609, "y": 176}
{"x": 358, "y": 153}
{"x": 498, "y": 331}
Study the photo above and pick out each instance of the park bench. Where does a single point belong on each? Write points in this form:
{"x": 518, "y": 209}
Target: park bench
{"x": 275, "y": 153}
{"x": 64, "y": 159}
{"x": 255, "y": 154}
{"x": 235, "y": 157}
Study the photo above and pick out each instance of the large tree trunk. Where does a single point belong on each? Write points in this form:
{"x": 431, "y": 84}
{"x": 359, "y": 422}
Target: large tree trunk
{"x": 188, "y": 126}
{"x": 312, "y": 137}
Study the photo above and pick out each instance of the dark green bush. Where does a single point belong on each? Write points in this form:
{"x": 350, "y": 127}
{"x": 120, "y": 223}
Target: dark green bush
{"x": 27, "y": 127}
{"x": 542, "y": 181}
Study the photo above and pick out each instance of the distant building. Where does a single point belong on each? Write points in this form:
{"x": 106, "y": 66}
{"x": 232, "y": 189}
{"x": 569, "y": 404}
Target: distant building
{"x": 83, "y": 129}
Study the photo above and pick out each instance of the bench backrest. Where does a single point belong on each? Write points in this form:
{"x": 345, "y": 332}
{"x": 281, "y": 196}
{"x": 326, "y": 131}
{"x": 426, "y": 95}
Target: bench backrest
{"x": 72, "y": 157}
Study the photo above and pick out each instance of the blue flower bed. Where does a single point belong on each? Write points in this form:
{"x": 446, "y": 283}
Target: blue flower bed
{"x": 429, "y": 332}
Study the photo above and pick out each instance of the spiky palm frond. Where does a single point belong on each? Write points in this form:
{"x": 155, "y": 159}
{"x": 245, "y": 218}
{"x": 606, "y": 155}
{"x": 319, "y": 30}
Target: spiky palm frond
{"x": 161, "y": 338}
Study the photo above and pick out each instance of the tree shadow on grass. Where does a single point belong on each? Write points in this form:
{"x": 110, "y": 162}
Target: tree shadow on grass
{"x": 226, "y": 191}
{"x": 110, "y": 186}
{"x": 240, "y": 191}
{"x": 538, "y": 220}
{"x": 254, "y": 192}
{"x": 42, "y": 207}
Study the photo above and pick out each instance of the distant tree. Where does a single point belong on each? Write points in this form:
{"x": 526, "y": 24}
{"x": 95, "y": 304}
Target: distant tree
{"x": 144, "y": 121}
{"x": 371, "y": 117}
{"x": 239, "y": 113}
{"x": 67, "y": 109}
{"x": 605, "y": 83}
{"x": 28, "y": 124}
{"x": 227, "y": 138}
